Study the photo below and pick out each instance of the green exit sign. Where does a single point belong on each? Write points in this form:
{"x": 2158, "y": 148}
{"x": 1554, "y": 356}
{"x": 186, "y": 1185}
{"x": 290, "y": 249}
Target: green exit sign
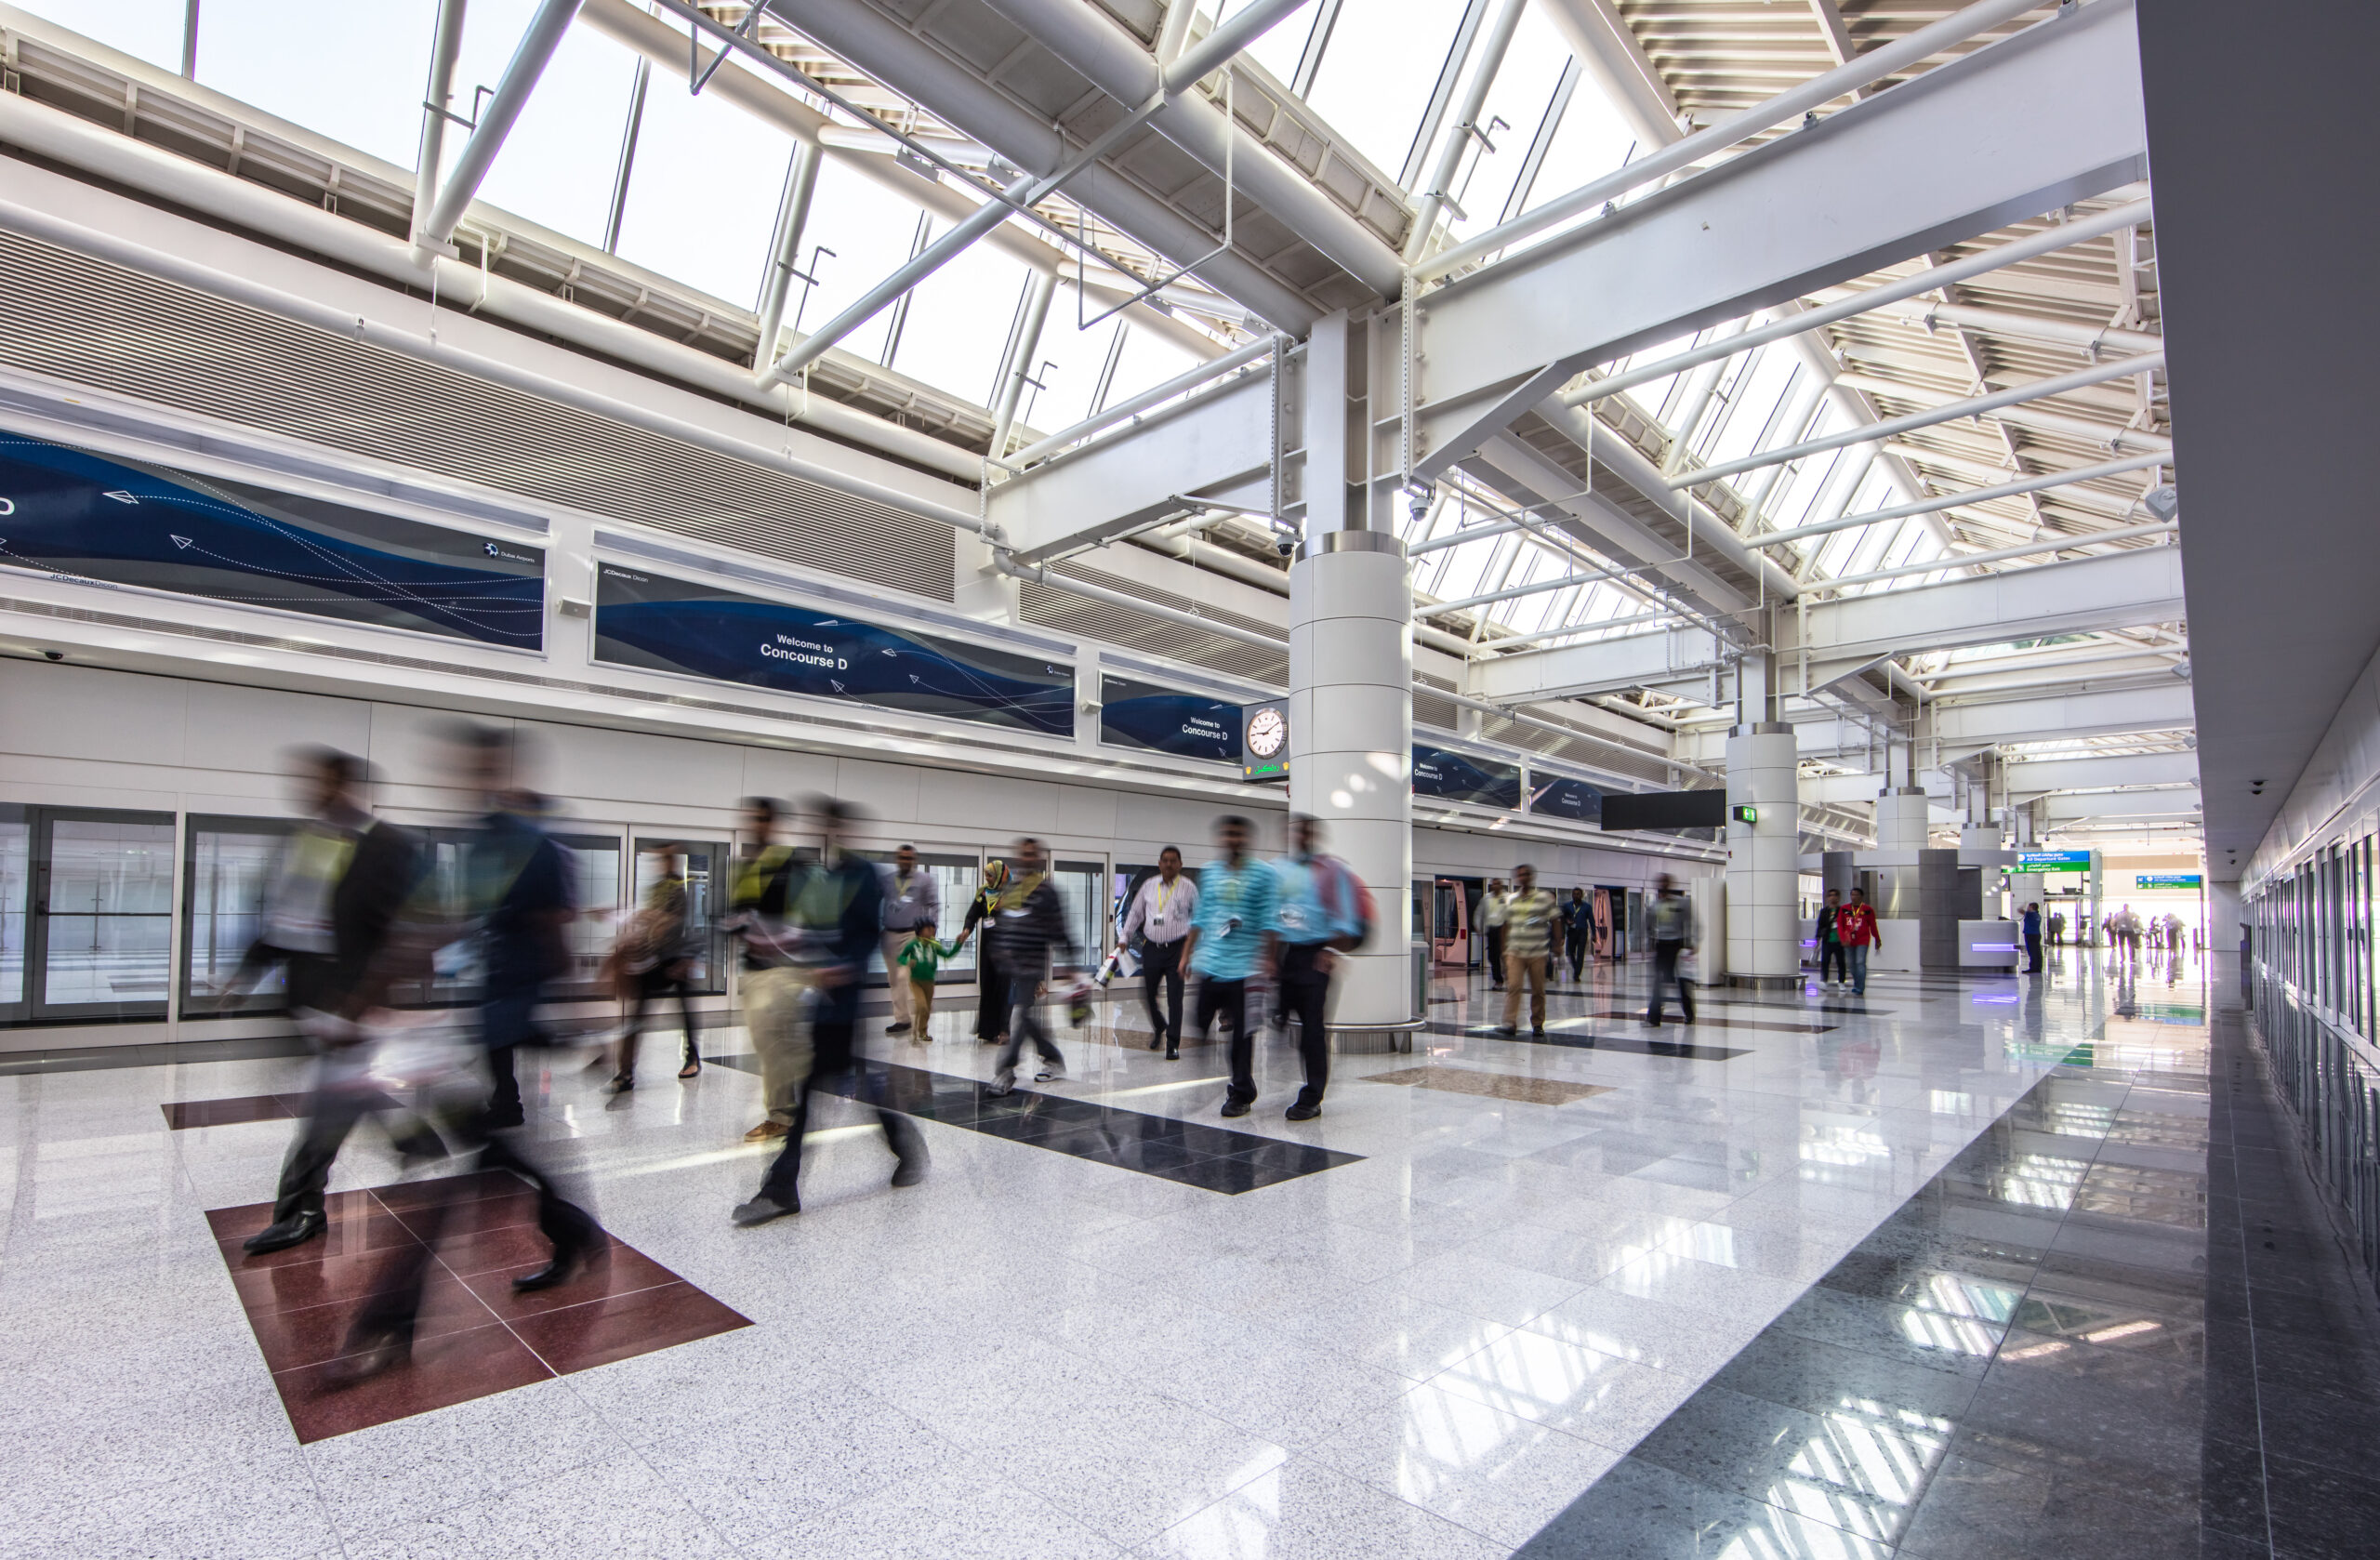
{"x": 1745, "y": 815}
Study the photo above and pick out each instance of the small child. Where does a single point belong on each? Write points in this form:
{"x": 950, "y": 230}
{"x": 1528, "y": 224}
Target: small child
{"x": 920, "y": 959}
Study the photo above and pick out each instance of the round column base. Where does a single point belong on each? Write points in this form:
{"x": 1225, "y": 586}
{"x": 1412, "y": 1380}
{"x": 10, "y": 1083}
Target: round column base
{"x": 1375, "y": 1040}
{"x": 1764, "y": 982}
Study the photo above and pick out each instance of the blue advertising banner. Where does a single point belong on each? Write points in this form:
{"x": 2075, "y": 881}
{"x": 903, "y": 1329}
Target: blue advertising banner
{"x": 1166, "y": 720}
{"x": 1572, "y": 800}
{"x": 1459, "y": 778}
{"x": 86, "y": 518}
{"x": 672, "y": 625}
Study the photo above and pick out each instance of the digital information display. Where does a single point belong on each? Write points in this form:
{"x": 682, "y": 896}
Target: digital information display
{"x": 1161, "y": 720}
{"x": 2168, "y": 880}
{"x": 1574, "y": 801}
{"x": 2053, "y": 861}
{"x": 660, "y": 624}
{"x": 1460, "y": 777}
{"x": 86, "y": 518}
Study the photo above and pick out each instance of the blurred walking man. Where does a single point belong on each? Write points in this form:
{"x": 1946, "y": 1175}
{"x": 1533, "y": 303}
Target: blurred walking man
{"x": 1321, "y": 910}
{"x": 1672, "y": 926}
{"x": 1530, "y": 920}
{"x": 1230, "y": 940}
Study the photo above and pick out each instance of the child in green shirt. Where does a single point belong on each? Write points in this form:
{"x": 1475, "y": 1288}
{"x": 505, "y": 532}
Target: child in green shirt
{"x": 920, "y": 960}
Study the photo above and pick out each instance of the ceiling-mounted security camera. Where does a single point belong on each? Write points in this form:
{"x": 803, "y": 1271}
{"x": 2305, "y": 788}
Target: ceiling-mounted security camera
{"x": 53, "y": 654}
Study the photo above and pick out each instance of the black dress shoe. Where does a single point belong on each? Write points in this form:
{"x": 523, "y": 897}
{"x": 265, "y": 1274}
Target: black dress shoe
{"x": 1172, "y": 1053}
{"x": 1302, "y": 1112}
{"x": 368, "y": 1356}
{"x": 1155, "y": 1040}
{"x": 1235, "y": 1107}
{"x": 565, "y": 1267}
{"x": 296, "y": 1230}
{"x": 500, "y": 1120}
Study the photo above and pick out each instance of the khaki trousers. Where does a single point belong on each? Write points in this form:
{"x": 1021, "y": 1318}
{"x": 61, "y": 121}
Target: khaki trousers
{"x": 1531, "y": 967}
{"x": 772, "y": 1016}
{"x": 897, "y": 984}
{"x": 921, "y": 1006}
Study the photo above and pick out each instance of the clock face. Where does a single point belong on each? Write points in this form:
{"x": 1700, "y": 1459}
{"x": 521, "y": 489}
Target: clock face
{"x": 1268, "y": 732}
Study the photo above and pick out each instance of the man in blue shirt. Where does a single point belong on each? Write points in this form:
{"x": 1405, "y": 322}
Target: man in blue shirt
{"x": 2032, "y": 929}
{"x": 1318, "y": 912}
{"x": 1230, "y": 940}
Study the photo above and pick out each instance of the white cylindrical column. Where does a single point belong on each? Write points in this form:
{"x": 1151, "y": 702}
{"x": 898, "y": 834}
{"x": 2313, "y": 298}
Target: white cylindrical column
{"x": 1351, "y": 747}
{"x": 1900, "y": 820}
{"x": 1764, "y": 856}
{"x": 1980, "y": 837}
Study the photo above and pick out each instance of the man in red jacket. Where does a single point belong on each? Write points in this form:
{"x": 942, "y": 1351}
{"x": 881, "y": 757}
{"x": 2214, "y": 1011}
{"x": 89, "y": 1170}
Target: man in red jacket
{"x": 1855, "y": 923}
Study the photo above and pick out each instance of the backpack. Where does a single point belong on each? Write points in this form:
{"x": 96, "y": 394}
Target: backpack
{"x": 1357, "y": 902}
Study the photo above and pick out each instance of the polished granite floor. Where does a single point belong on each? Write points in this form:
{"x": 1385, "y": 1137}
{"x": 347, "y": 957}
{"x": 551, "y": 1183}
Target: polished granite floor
{"x": 1967, "y": 1268}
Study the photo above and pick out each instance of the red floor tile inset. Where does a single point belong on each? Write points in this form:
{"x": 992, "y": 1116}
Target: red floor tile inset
{"x": 475, "y": 1336}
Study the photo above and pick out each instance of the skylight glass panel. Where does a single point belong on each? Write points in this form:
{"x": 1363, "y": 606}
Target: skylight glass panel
{"x": 1376, "y": 76}
{"x": 1592, "y": 139}
{"x": 1068, "y": 364}
{"x": 859, "y": 233}
{"x": 556, "y": 166}
{"x": 1279, "y": 50}
{"x": 955, "y": 330}
{"x": 1521, "y": 97}
{"x": 351, "y": 73}
{"x": 1752, "y": 402}
{"x": 703, "y": 193}
{"x": 150, "y": 29}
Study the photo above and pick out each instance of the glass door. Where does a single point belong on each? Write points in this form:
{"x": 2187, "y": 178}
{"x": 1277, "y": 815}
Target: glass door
{"x": 100, "y": 933}
{"x": 956, "y": 878}
{"x": 16, "y": 911}
{"x": 1082, "y": 889}
{"x": 592, "y": 862}
{"x": 227, "y": 866}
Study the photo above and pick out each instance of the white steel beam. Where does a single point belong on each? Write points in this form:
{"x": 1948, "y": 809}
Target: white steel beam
{"x": 2037, "y": 121}
{"x": 2179, "y": 803}
{"x": 538, "y": 41}
{"x": 2028, "y": 777}
{"x": 1982, "y": 723}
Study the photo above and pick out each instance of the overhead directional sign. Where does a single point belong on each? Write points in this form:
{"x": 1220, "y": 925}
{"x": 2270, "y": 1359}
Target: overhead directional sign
{"x": 2053, "y": 861}
{"x": 2168, "y": 880}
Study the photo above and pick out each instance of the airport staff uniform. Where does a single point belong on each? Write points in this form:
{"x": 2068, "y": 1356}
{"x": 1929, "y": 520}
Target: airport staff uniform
{"x": 1161, "y": 913}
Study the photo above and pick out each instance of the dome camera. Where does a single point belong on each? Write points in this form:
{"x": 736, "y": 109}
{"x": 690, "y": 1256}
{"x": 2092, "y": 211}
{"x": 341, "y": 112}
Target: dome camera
{"x": 1286, "y": 544}
{"x": 53, "y": 654}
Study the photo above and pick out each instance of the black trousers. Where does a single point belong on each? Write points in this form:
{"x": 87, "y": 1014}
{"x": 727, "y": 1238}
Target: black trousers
{"x": 1665, "y": 957}
{"x": 1575, "y": 945}
{"x": 1228, "y": 999}
{"x": 832, "y": 1058}
{"x": 1161, "y": 964}
{"x": 657, "y": 984}
{"x": 2034, "y": 951}
{"x": 1305, "y": 996}
{"x": 1834, "y": 956}
{"x": 340, "y": 1097}
{"x": 1495, "y": 955}
{"x": 991, "y": 1000}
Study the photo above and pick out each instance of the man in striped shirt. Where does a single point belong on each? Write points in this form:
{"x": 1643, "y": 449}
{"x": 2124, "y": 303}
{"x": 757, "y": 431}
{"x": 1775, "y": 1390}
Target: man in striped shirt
{"x": 1530, "y": 916}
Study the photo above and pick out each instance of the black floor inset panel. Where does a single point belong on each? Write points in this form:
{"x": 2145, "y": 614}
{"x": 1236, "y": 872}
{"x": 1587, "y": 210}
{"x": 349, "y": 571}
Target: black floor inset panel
{"x": 1192, "y": 1153}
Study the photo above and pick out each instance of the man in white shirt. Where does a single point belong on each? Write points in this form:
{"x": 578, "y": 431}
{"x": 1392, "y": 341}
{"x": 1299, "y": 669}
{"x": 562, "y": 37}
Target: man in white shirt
{"x": 911, "y": 899}
{"x": 1161, "y": 913}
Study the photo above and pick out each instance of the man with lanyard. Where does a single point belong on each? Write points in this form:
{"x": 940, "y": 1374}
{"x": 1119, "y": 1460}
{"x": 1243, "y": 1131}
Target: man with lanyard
{"x": 2032, "y": 931}
{"x": 838, "y": 920}
{"x": 1578, "y": 926}
{"x": 1230, "y": 940}
{"x": 1833, "y": 959}
{"x": 335, "y": 893}
{"x": 912, "y": 899}
{"x": 1855, "y": 923}
{"x": 1491, "y": 916}
{"x": 1671, "y": 924}
{"x": 518, "y": 887}
{"x": 1161, "y": 913}
{"x": 1318, "y": 911}
{"x": 1529, "y": 913}
{"x": 770, "y": 984}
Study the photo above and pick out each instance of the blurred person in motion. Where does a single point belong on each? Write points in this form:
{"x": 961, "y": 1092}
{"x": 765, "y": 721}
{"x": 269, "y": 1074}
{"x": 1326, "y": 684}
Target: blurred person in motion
{"x": 1530, "y": 916}
{"x": 760, "y": 903}
{"x": 335, "y": 891}
{"x": 1672, "y": 926}
{"x": 917, "y": 966}
{"x": 911, "y": 899}
{"x": 654, "y": 960}
{"x": 518, "y": 901}
{"x": 835, "y": 921}
{"x": 1230, "y": 941}
{"x": 1320, "y": 909}
{"x": 991, "y": 991}
{"x": 1577, "y": 927}
{"x": 1025, "y": 932}
{"x": 1160, "y": 916}
{"x": 1491, "y": 916}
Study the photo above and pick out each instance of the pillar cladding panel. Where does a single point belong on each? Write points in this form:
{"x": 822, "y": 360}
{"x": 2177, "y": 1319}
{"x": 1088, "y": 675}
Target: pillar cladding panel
{"x": 1351, "y": 743}
{"x": 1902, "y": 821}
{"x": 1763, "y": 928}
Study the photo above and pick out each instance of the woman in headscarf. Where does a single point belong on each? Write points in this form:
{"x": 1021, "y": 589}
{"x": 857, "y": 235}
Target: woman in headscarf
{"x": 991, "y": 990}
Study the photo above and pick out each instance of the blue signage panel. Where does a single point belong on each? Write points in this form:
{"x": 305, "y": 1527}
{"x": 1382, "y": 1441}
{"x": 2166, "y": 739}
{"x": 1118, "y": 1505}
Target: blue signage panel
{"x": 2168, "y": 880}
{"x": 671, "y": 625}
{"x": 1572, "y": 800}
{"x": 1167, "y": 720}
{"x": 2053, "y": 861}
{"x": 86, "y": 518}
{"x": 1459, "y": 778}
